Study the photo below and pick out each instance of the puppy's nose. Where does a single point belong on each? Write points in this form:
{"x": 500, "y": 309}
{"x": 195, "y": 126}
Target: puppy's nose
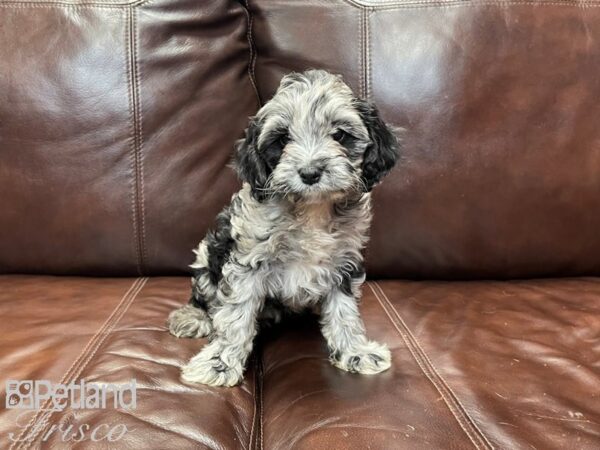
{"x": 310, "y": 175}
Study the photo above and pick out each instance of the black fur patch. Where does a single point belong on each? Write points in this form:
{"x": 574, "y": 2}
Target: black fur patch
{"x": 253, "y": 164}
{"x": 356, "y": 272}
{"x": 219, "y": 244}
{"x": 198, "y": 301}
{"x": 382, "y": 154}
{"x": 249, "y": 165}
{"x": 271, "y": 152}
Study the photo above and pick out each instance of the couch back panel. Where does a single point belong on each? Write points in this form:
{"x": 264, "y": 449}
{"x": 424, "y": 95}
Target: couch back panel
{"x": 116, "y": 125}
{"x": 500, "y": 174}
{"x": 117, "y": 119}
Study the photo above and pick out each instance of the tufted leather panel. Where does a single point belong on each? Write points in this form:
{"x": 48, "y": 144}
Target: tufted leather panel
{"x": 501, "y": 167}
{"x": 116, "y": 126}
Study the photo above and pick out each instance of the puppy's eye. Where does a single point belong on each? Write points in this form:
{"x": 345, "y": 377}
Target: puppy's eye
{"x": 340, "y": 136}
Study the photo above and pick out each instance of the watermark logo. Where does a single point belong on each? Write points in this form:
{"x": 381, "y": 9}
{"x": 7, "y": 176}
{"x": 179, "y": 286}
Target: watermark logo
{"x": 33, "y": 394}
{"x": 45, "y": 397}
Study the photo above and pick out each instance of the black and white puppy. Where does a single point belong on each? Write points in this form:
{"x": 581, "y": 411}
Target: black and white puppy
{"x": 292, "y": 236}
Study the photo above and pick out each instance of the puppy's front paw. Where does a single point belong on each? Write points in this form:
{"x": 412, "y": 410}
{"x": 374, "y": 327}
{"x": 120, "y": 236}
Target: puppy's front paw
{"x": 368, "y": 359}
{"x": 189, "y": 321}
{"x": 208, "y": 367}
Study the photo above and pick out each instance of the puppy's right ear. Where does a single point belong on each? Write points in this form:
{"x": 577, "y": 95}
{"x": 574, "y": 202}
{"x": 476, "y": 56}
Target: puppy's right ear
{"x": 249, "y": 166}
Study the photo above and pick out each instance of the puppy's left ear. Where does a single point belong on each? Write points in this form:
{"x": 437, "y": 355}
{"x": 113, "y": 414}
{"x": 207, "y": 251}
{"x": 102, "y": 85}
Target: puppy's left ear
{"x": 382, "y": 153}
{"x": 248, "y": 164}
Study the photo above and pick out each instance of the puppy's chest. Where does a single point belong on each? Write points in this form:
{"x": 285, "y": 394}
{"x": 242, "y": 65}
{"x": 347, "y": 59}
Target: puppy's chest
{"x": 299, "y": 251}
{"x": 309, "y": 237}
{"x": 303, "y": 261}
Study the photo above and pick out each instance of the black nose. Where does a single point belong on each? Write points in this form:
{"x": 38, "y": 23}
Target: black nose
{"x": 310, "y": 175}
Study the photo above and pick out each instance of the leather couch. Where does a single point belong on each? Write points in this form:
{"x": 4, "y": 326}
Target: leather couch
{"x": 117, "y": 119}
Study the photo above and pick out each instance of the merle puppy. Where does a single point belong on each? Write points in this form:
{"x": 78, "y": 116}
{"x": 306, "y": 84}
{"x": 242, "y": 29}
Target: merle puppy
{"x": 292, "y": 236}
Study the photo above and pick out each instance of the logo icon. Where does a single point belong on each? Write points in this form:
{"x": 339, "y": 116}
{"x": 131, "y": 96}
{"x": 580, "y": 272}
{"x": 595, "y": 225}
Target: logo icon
{"x": 20, "y": 394}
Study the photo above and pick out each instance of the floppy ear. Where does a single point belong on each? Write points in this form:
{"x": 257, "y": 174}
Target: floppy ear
{"x": 382, "y": 153}
{"x": 249, "y": 166}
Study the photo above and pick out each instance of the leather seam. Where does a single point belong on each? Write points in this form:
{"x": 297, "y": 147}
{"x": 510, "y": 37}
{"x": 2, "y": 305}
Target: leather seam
{"x": 132, "y": 138}
{"x": 260, "y": 403}
{"x": 367, "y": 55}
{"x": 360, "y": 56}
{"x": 140, "y": 141}
{"x": 256, "y": 441}
{"x": 445, "y": 3}
{"x": 136, "y": 194}
{"x": 67, "y": 5}
{"x": 69, "y": 375}
{"x": 254, "y": 411}
{"x": 253, "y": 51}
{"x": 461, "y": 415}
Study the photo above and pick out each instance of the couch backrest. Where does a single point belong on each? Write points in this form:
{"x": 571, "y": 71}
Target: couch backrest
{"x": 116, "y": 125}
{"x": 500, "y": 174}
{"x": 117, "y": 119}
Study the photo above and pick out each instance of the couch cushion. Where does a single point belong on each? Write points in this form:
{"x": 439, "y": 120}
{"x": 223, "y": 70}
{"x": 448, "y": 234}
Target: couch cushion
{"x": 475, "y": 364}
{"x": 112, "y": 331}
{"x": 117, "y": 120}
{"x": 501, "y": 168}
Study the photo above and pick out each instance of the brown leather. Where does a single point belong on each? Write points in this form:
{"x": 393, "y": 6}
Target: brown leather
{"x": 112, "y": 157}
{"x": 475, "y": 365}
{"x": 125, "y": 166}
{"x": 500, "y": 174}
{"x": 111, "y": 331}
{"x": 501, "y": 365}
{"x": 116, "y": 124}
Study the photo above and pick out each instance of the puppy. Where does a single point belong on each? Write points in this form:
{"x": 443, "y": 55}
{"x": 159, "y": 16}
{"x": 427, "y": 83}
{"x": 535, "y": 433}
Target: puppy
{"x": 291, "y": 239}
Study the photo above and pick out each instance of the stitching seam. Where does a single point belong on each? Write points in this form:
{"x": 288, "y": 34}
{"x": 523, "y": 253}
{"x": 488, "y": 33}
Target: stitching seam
{"x": 132, "y": 139}
{"x": 140, "y": 140}
{"x": 137, "y": 187}
{"x": 75, "y": 367}
{"x": 468, "y": 425}
{"x": 260, "y": 401}
{"x": 99, "y": 5}
{"x": 367, "y": 55}
{"x": 251, "y": 438}
{"x": 253, "y": 51}
{"x": 362, "y": 53}
{"x": 447, "y": 3}
{"x": 256, "y": 441}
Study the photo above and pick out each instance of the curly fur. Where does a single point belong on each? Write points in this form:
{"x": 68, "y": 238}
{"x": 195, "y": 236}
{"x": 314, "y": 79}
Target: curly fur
{"x": 292, "y": 237}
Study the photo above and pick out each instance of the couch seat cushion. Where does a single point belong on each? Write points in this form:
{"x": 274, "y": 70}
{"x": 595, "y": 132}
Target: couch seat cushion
{"x": 112, "y": 331}
{"x": 476, "y": 365}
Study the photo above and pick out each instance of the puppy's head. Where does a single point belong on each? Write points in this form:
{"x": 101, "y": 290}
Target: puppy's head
{"x": 315, "y": 140}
